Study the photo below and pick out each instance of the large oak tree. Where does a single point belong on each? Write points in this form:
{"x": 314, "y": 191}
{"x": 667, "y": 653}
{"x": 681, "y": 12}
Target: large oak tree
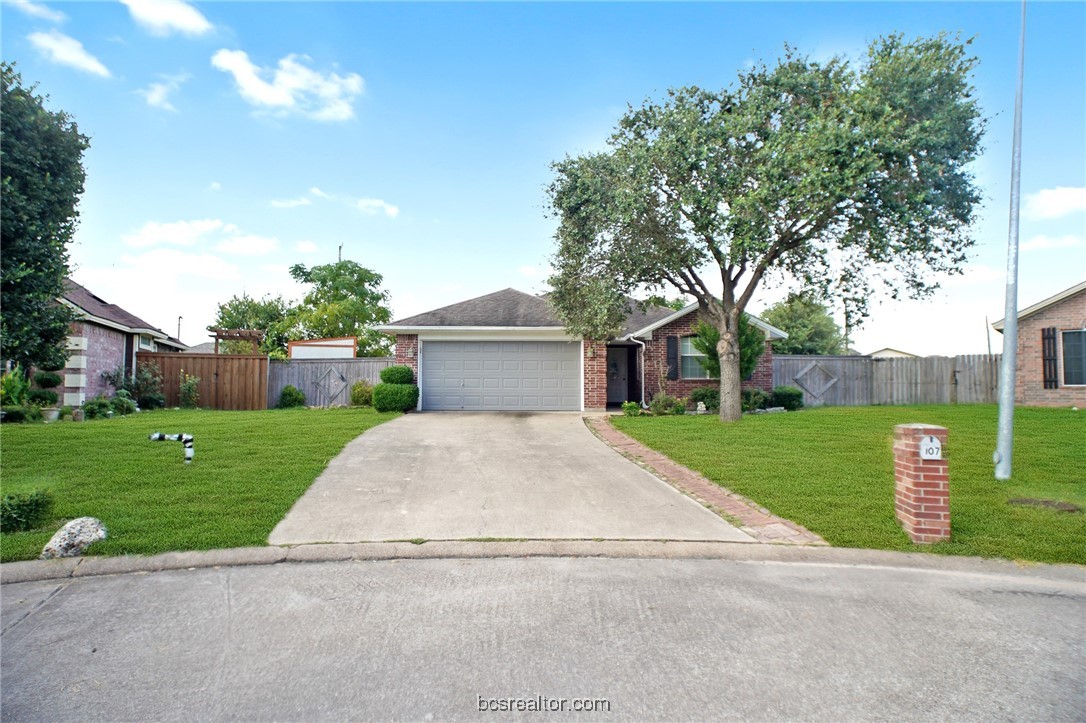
{"x": 840, "y": 179}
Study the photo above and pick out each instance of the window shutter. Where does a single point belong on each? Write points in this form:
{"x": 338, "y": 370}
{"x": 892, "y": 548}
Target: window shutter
{"x": 1048, "y": 358}
{"x": 673, "y": 357}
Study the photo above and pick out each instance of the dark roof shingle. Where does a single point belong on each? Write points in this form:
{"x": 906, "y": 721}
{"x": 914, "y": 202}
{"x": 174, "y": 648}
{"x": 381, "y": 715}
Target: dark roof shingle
{"x": 507, "y": 307}
{"x": 102, "y": 309}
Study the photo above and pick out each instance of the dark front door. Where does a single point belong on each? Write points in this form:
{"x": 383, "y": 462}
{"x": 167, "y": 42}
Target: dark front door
{"x": 617, "y": 374}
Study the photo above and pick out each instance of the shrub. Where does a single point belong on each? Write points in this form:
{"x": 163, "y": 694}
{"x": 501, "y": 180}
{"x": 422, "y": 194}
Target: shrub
{"x": 666, "y": 404}
{"x": 395, "y": 397}
{"x": 122, "y": 404}
{"x": 25, "y": 512}
{"x": 631, "y": 409}
{"x": 709, "y": 396}
{"x": 754, "y": 399}
{"x": 97, "y": 408}
{"x": 790, "y": 398}
{"x": 14, "y": 415}
{"x": 190, "y": 391}
{"x": 291, "y": 396}
{"x": 13, "y": 388}
{"x": 400, "y": 374}
{"x": 145, "y": 387}
{"x": 42, "y": 397}
{"x": 47, "y": 380}
{"x": 361, "y": 394}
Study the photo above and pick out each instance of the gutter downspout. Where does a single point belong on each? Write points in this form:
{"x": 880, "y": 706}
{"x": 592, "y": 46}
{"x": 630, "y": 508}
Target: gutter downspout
{"x": 630, "y": 337}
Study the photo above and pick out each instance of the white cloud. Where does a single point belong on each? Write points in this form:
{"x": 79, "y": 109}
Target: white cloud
{"x": 163, "y": 17}
{"x": 158, "y": 94}
{"x": 293, "y": 88}
{"x": 215, "y": 186}
{"x": 306, "y": 247}
{"x": 373, "y": 206}
{"x": 291, "y": 202}
{"x": 1042, "y": 243}
{"x": 56, "y": 47}
{"x": 1055, "y": 202}
{"x": 318, "y": 193}
{"x": 38, "y": 10}
{"x": 177, "y": 233}
{"x": 226, "y": 237}
{"x": 248, "y": 245}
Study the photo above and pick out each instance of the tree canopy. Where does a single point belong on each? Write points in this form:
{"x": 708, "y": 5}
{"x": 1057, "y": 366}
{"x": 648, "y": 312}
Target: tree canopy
{"x": 41, "y": 160}
{"x": 344, "y": 299}
{"x": 837, "y": 179}
{"x": 809, "y": 325}
{"x": 269, "y": 314}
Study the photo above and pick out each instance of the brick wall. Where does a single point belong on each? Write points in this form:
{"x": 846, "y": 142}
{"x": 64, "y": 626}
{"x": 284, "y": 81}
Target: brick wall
{"x": 595, "y": 375}
{"x": 656, "y": 363}
{"x": 100, "y": 350}
{"x": 1066, "y": 315}
{"x": 407, "y": 352}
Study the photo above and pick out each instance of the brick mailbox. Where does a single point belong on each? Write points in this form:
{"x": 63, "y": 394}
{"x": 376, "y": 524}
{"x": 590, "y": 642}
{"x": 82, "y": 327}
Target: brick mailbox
{"x": 922, "y": 485}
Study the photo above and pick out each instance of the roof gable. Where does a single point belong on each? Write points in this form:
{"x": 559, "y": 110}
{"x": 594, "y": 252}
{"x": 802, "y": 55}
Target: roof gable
{"x": 505, "y": 308}
{"x": 771, "y": 331}
{"x": 1042, "y": 305}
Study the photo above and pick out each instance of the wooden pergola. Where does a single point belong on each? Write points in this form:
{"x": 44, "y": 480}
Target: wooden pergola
{"x": 255, "y": 336}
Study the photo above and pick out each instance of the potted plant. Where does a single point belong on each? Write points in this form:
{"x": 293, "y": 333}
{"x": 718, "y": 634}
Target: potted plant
{"x": 44, "y": 396}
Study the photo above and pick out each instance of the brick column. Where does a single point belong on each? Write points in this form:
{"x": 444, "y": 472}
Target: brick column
{"x": 922, "y": 487}
{"x": 407, "y": 352}
{"x": 595, "y": 376}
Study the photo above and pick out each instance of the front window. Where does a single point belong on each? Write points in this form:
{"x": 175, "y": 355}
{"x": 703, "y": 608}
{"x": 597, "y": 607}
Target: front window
{"x": 690, "y": 365}
{"x": 1074, "y": 357}
{"x": 145, "y": 342}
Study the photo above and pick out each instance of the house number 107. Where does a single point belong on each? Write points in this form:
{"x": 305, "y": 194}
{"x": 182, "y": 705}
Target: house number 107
{"x": 931, "y": 448}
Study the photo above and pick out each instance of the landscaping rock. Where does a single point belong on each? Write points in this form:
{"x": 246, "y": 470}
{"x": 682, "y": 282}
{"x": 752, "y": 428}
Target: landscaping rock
{"x": 72, "y": 539}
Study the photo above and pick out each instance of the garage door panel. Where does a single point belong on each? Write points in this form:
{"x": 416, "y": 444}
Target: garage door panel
{"x": 500, "y": 376}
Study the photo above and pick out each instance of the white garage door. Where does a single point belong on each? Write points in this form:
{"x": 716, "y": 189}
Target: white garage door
{"x": 515, "y": 376}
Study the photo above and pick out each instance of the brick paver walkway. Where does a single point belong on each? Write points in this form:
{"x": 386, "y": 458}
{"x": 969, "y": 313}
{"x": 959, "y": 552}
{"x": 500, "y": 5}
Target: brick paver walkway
{"x": 756, "y": 521}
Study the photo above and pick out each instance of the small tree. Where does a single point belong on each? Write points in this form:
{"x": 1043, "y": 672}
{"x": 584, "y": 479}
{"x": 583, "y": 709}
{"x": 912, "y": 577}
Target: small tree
{"x": 269, "y": 314}
{"x": 751, "y": 347}
{"x": 840, "y": 178}
{"x": 809, "y": 325}
{"x": 345, "y": 299}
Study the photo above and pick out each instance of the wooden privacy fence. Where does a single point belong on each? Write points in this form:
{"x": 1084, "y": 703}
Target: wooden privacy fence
{"x": 325, "y": 382}
{"x": 227, "y": 381}
{"x": 863, "y": 380}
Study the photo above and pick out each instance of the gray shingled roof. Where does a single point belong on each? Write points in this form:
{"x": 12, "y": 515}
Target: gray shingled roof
{"x": 512, "y": 308}
{"x": 507, "y": 307}
{"x": 96, "y": 306}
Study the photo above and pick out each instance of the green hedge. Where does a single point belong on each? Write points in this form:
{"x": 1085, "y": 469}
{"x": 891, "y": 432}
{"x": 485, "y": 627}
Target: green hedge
{"x": 788, "y": 397}
{"x": 291, "y": 396}
{"x": 400, "y": 374}
{"x": 25, "y": 512}
{"x": 395, "y": 397}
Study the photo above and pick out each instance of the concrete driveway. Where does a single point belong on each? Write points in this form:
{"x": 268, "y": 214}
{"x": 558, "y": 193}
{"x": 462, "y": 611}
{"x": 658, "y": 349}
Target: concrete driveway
{"x": 449, "y": 476}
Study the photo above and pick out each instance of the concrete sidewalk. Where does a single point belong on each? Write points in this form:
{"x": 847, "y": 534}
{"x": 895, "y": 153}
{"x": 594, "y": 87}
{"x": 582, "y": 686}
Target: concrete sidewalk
{"x": 449, "y": 476}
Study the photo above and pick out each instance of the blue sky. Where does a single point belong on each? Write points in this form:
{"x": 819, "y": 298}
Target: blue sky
{"x": 232, "y": 140}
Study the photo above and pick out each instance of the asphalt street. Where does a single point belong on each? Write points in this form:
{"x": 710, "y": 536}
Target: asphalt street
{"x": 678, "y": 639}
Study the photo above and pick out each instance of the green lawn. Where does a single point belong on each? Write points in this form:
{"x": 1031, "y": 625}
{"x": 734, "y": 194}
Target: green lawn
{"x": 831, "y": 470}
{"x": 249, "y": 469}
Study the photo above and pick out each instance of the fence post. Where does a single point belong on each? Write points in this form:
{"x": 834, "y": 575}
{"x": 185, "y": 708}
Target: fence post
{"x": 922, "y": 482}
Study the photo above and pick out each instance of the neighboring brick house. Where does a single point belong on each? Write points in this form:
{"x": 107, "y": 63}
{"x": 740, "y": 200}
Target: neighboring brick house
{"x": 105, "y": 337}
{"x": 507, "y": 351}
{"x": 1051, "y": 361}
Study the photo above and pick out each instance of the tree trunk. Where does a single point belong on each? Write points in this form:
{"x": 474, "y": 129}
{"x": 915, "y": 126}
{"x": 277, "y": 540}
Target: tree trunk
{"x": 731, "y": 406}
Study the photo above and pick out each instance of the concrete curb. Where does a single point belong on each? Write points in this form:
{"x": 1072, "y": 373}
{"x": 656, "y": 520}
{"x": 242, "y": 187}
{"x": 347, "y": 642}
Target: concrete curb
{"x": 34, "y": 570}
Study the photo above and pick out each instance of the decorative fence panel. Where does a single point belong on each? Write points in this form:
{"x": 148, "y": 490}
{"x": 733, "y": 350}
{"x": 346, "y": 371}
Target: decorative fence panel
{"x": 325, "y": 382}
{"x": 862, "y": 380}
{"x": 227, "y": 381}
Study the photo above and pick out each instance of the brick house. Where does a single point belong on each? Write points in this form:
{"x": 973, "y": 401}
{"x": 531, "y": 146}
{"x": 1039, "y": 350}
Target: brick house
{"x": 507, "y": 351}
{"x": 104, "y": 337}
{"x": 1051, "y": 361}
